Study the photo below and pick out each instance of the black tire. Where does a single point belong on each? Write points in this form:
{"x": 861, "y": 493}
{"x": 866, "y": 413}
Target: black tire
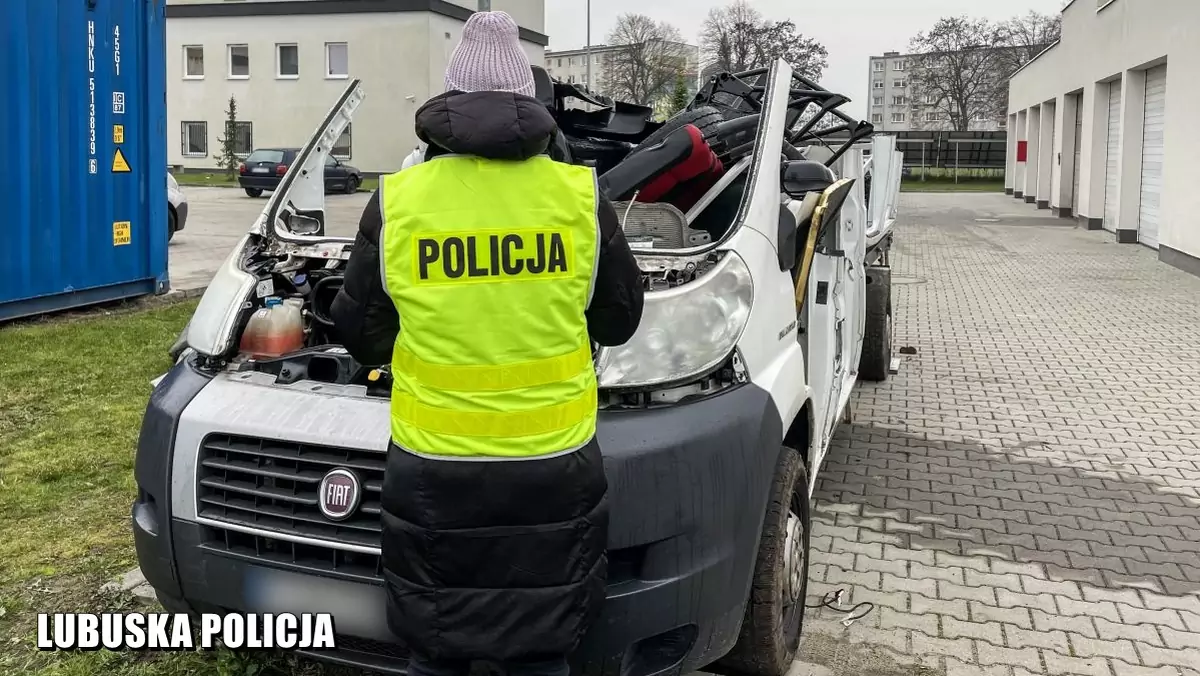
{"x": 876, "y": 359}
{"x": 351, "y": 185}
{"x": 774, "y": 617}
{"x": 705, "y": 118}
{"x": 254, "y": 192}
{"x": 171, "y": 224}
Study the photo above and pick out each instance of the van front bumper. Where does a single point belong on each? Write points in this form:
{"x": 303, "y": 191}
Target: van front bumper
{"x": 688, "y": 486}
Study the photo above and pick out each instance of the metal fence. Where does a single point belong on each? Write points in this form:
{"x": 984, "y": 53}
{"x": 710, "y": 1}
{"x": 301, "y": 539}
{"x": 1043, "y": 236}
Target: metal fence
{"x": 957, "y": 155}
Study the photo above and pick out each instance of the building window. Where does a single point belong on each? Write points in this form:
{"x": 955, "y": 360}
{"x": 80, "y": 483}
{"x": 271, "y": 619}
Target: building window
{"x": 287, "y": 62}
{"x": 239, "y": 62}
{"x": 560, "y": 63}
{"x": 899, "y": 65}
{"x": 337, "y": 60}
{"x": 879, "y": 66}
{"x": 981, "y": 117}
{"x": 877, "y": 118}
{"x": 933, "y": 117}
{"x": 242, "y": 134}
{"x": 193, "y": 62}
{"x": 341, "y": 147}
{"x": 879, "y": 100}
{"x": 898, "y": 101}
{"x": 195, "y": 139}
{"x": 931, "y": 99}
{"x": 878, "y": 84}
{"x": 900, "y": 84}
{"x": 898, "y": 117}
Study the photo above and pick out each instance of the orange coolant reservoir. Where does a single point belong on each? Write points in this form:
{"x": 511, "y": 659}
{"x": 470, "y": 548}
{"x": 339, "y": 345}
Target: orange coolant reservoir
{"x": 275, "y": 330}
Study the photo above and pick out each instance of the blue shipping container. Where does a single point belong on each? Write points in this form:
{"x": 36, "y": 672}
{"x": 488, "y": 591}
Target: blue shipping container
{"x": 82, "y": 153}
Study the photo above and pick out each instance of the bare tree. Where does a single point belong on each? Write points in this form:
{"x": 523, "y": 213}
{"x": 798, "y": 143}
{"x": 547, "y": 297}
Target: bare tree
{"x": 648, "y": 59}
{"x": 782, "y": 40}
{"x": 737, "y": 38}
{"x": 956, "y": 70}
{"x": 730, "y": 37}
{"x": 1024, "y": 37}
{"x": 962, "y": 65}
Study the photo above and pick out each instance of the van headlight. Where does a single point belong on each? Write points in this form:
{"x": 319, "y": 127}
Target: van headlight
{"x": 211, "y": 331}
{"x": 685, "y": 332}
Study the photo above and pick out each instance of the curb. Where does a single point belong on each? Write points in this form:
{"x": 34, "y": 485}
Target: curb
{"x": 228, "y": 186}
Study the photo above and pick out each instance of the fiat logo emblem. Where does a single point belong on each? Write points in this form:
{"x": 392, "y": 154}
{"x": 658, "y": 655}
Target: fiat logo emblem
{"x": 340, "y": 493}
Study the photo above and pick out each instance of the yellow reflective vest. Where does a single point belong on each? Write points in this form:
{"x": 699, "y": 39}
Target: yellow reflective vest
{"x": 491, "y": 265}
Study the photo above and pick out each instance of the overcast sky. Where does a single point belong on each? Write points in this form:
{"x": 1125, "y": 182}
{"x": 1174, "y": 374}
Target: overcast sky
{"x": 852, "y": 30}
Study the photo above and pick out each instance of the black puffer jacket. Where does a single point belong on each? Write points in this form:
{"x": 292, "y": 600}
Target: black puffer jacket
{"x": 490, "y": 560}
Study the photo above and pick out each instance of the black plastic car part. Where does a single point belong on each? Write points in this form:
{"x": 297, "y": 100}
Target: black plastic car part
{"x": 800, "y": 177}
{"x": 738, "y": 133}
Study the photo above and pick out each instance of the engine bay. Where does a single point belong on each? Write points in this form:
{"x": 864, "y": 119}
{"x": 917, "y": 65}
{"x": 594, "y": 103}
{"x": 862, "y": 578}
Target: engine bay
{"x": 286, "y": 278}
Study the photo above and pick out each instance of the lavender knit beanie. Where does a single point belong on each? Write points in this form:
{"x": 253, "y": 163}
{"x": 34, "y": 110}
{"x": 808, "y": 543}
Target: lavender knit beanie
{"x": 490, "y": 58}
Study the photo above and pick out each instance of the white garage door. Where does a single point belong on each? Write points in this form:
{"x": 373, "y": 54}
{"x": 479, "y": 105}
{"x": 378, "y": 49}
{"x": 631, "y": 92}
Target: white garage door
{"x": 1114, "y": 156}
{"x": 1078, "y": 153}
{"x": 1152, "y": 156}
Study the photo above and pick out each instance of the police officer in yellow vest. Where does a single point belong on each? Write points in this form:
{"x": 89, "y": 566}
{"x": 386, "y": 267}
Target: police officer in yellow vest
{"x": 483, "y": 275}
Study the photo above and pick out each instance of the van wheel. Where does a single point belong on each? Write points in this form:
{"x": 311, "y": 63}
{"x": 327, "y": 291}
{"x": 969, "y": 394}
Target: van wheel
{"x": 705, "y": 118}
{"x": 254, "y": 192}
{"x": 876, "y": 360}
{"x": 775, "y": 610}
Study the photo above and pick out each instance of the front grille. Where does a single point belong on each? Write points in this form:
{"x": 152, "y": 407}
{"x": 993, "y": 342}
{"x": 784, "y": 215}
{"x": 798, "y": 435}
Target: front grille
{"x": 297, "y": 556}
{"x": 366, "y": 646}
{"x": 273, "y": 486}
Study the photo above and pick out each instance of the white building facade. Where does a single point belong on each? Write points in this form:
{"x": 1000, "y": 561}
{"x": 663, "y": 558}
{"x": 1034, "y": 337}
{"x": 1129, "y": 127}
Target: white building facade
{"x": 285, "y": 62}
{"x": 1105, "y": 124}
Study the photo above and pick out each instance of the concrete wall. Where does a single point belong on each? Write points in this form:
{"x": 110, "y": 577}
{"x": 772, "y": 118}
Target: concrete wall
{"x": 1119, "y": 43}
{"x": 399, "y": 56}
{"x": 529, "y": 14}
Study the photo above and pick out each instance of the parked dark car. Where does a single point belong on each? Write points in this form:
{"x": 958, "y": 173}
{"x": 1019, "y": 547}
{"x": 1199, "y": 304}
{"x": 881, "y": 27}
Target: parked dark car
{"x": 264, "y": 168}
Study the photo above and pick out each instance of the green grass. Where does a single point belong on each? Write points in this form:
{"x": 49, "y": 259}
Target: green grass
{"x": 222, "y": 181}
{"x": 200, "y": 178}
{"x": 74, "y": 390}
{"x": 944, "y": 186}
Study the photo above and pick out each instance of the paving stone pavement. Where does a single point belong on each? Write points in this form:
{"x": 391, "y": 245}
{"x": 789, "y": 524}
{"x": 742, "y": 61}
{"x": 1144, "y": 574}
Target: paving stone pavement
{"x": 1024, "y": 496}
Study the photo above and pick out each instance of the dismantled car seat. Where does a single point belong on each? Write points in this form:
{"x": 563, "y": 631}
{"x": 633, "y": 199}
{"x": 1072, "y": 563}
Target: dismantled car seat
{"x": 685, "y": 183}
{"x": 678, "y": 170}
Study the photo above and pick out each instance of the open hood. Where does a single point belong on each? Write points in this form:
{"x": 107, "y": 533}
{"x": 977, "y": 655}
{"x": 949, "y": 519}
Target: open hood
{"x": 299, "y": 202}
{"x": 295, "y": 213}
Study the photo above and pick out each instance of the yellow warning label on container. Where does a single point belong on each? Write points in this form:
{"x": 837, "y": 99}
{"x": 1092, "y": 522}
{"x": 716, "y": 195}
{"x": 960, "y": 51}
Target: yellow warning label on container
{"x": 121, "y": 233}
{"x": 120, "y": 166}
{"x": 118, "y": 133}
